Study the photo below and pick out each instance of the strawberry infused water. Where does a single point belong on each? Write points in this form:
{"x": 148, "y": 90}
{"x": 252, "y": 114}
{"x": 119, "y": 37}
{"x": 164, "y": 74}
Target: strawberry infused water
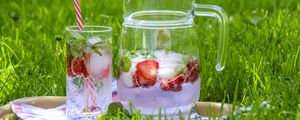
{"x": 159, "y": 50}
{"x": 89, "y": 76}
{"x": 159, "y": 80}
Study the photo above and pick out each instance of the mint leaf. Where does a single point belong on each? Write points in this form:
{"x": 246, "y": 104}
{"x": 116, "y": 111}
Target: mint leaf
{"x": 96, "y": 50}
{"x": 186, "y": 59}
{"x": 125, "y": 63}
{"x": 102, "y": 117}
{"x": 181, "y": 70}
{"x": 77, "y": 46}
{"x": 116, "y": 108}
{"x": 79, "y": 81}
{"x": 132, "y": 52}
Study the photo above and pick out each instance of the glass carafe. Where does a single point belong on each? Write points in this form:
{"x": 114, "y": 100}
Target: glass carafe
{"x": 159, "y": 67}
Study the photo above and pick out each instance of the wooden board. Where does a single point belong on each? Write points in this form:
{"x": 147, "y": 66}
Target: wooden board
{"x": 203, "y": 108}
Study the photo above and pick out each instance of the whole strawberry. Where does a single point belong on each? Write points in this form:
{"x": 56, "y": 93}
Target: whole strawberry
{"x": 146, "y": 72}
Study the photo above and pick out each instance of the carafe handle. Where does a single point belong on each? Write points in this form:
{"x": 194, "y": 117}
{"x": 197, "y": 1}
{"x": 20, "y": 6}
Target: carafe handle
{"x": 220, "y": 14}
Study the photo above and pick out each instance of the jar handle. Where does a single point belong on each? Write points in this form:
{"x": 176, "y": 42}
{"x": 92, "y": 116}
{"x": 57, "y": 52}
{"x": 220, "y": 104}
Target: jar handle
{"x": 221, "y": 15}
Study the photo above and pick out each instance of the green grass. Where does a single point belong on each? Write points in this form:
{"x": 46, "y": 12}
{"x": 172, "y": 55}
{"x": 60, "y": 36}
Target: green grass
{"x": 263, "y": 54}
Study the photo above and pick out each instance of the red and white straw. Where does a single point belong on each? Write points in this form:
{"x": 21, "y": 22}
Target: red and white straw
{"x": 78, "y": 14}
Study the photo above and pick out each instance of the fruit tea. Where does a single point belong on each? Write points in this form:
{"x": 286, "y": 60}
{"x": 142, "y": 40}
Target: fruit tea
{"x": 158, "y": 80}
{"x": 89, "y": 77}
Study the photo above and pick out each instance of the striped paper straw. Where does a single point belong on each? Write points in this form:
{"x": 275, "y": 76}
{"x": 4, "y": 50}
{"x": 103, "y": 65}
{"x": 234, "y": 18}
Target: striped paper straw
{"x": 78, "y": 14}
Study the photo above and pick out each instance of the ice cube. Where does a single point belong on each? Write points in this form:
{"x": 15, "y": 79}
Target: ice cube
{"x": 169, "y": 57}
{"x": 98, "y": 63}
{"x": 175, "y": 57}
{"x": 94, "y": 40}
{"x": 167, "y": 73}
{"x": 160, "y": 53}
{"x": 126, "y": 77}
{"x": 137, "y": 59}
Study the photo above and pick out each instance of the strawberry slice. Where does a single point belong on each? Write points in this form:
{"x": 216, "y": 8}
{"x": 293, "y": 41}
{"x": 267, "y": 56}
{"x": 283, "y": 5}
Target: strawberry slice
{"x": 146, "y": 72}
{"x": 134, "y": 81}
{"x": 84, "y": 70}
{"x": 105, "y": 72}
{"x": 192, "y": 70}
{"x": 164, "y": 85}
{"x": 76, "y": 65}
{"x": 69, "y": 69}
{"x": 79, "y": 66}
{"x": 173, "y": 85}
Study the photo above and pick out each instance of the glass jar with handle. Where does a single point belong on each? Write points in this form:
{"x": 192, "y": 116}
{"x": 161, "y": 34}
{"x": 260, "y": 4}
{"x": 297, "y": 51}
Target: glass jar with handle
{"x": 159, "y": 67}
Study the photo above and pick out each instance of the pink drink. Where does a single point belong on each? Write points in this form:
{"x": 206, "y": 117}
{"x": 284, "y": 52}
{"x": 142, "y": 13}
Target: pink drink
{"x": 162, "y": 80}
